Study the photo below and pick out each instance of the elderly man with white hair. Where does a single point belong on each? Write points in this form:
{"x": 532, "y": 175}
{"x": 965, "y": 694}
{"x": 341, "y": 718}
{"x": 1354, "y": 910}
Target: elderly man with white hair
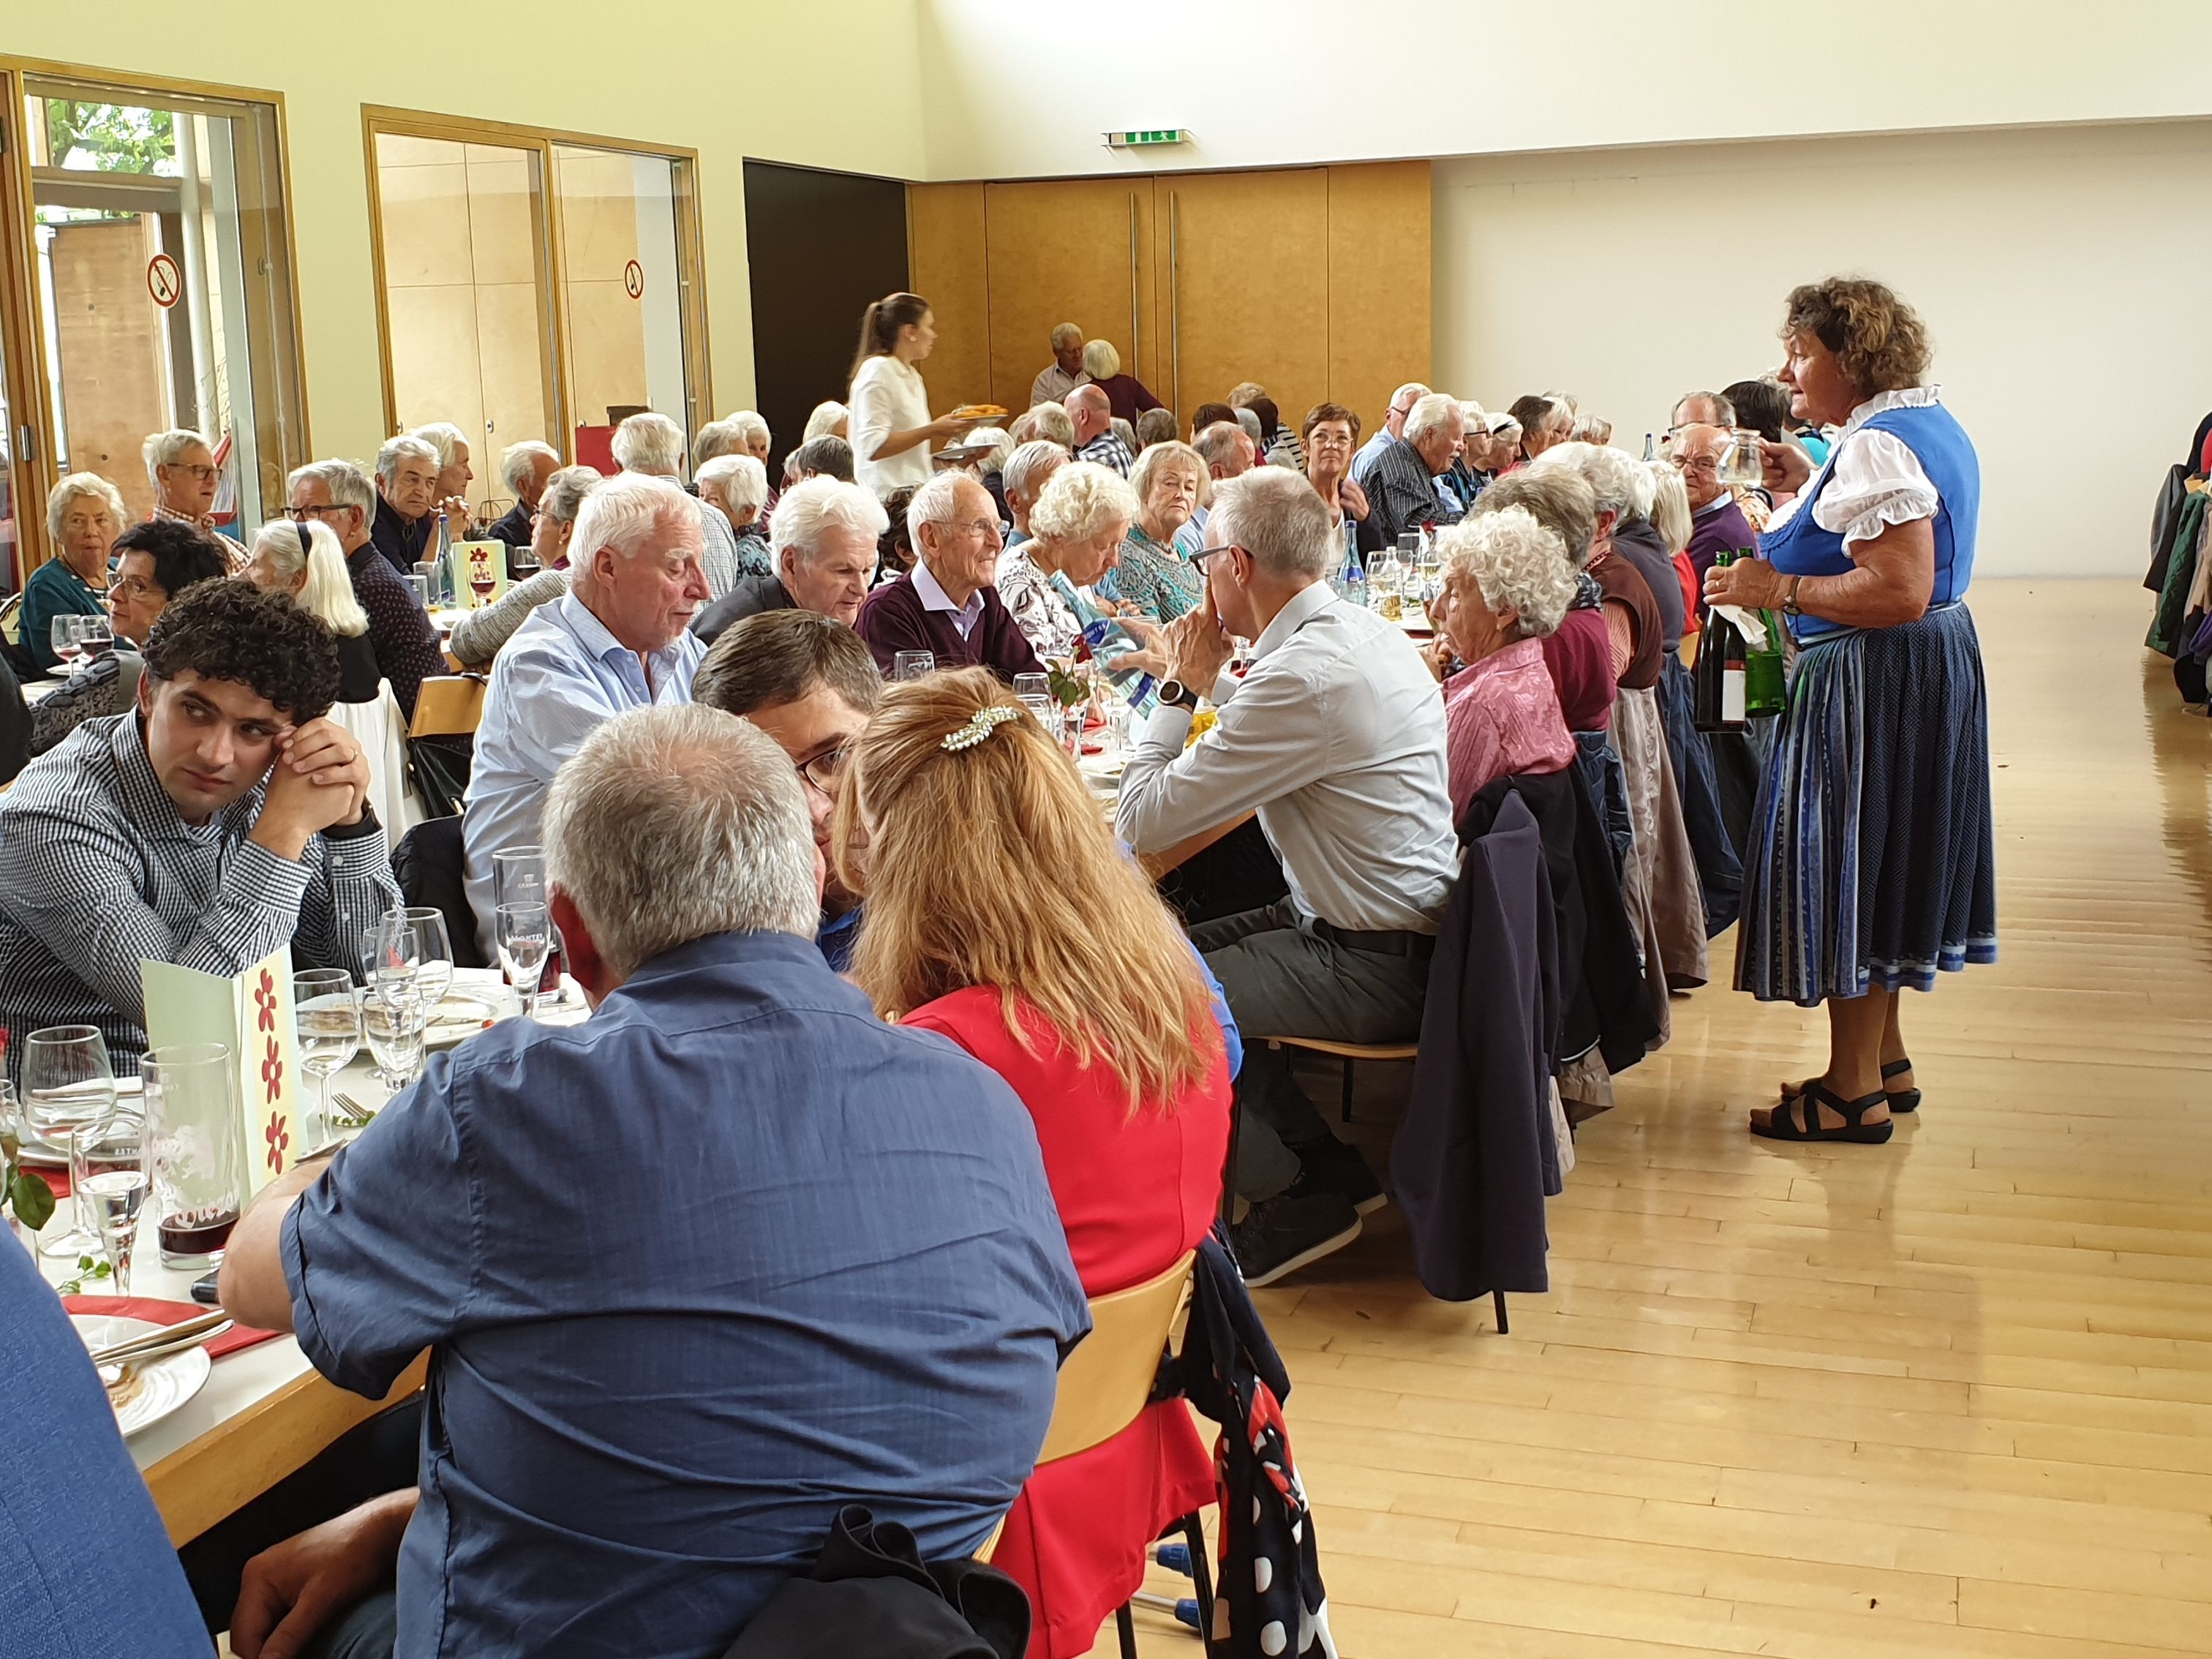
{"x": 524, "y": 470}
{"x": 182, "y": 469}
{"x": 336, "y": 494}
{"x": 736, "y": 487}
{"x": 1066, "y": 372}
{"x": 825, "y": 550}
{"x": 948, "y": 604}
{"x": 652, "y": 446}
{"x": 406, "y": 529}
{"x": 1402, "y": 485}
{"x": 1024, "y": 475}
{"x": 620, "y": 638}
{"x": 1093, "y": 417}
{"x": 1393, "y": 427}
{"x": 1335, "y": 739}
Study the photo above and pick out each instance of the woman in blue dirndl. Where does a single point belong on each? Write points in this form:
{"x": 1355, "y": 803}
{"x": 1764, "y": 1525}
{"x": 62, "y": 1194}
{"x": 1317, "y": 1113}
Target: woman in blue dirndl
{"x": 1871, "y": 865}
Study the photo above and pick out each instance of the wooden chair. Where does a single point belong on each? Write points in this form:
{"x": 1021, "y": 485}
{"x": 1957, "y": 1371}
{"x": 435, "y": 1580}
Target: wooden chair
{"x": 1349, "y": 1053}
{"x": 11, "y": 619}
{"x": 1105, "y": 1386}
{"x": 448, "y": 706}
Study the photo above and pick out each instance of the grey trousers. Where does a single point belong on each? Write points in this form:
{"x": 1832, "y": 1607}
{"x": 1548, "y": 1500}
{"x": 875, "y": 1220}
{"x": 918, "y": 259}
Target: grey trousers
{"x": 1283, "y": 980}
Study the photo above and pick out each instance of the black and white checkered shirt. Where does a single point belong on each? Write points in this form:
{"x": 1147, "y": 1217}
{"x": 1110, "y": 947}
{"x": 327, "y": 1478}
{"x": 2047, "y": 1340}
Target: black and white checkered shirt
{"x": 98, "y": 872}
{"x": 1108, "y": 450}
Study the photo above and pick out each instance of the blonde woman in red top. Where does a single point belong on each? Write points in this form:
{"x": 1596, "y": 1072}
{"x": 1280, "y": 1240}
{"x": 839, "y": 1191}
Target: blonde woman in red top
{"x": 1000, "y": 913}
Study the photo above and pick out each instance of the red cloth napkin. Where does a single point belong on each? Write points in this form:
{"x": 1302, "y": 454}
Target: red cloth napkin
{"x": 156, "y": 1312}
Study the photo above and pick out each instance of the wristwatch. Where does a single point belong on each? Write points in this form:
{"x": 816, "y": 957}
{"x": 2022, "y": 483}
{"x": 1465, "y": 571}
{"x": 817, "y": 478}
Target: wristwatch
{"x": 1177, "y": 695}
{"x": 1789, "y": 605}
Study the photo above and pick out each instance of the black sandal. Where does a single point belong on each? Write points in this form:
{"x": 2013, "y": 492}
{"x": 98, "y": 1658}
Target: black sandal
{"x": 1904, "y": 1100}
{"x": 1781, "y": 1126}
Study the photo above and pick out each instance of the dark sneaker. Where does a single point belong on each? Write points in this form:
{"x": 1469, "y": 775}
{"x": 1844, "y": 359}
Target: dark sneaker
{"x": 1284, "y": 1234}
{"x": 1337, "y": 1167}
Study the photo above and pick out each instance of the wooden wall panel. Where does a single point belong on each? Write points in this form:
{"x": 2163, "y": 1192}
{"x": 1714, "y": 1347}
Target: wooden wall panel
{"x": 1379, "y": 284}
{"x": 1077, "y": 250}
{"x": 1245, "y": 286}
{"x": 115, "y": 378}
{"x": 947, "y": 266}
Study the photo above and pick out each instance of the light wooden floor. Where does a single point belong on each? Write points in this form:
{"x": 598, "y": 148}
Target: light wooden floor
{"x": 1950, "y": 1396}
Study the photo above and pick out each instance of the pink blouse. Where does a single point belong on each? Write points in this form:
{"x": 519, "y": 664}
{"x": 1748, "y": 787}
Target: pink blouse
{"x": 1501, "y": 716}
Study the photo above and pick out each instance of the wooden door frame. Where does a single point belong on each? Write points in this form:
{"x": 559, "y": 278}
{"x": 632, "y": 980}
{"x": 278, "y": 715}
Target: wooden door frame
{"x": 23, "y": 339}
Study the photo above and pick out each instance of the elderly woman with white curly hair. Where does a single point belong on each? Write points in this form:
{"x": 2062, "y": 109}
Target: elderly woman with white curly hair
{"x": 1507, "y": 585}
{"x": 1082, "y": 514}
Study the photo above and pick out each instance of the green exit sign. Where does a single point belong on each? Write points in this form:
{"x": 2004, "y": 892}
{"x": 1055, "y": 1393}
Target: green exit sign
{"x": 1146, "y": 136}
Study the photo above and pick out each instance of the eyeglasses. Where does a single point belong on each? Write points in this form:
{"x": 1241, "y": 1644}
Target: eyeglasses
{"x": 132, "y": 587}
{"x": 1198, "y": 560}
{"x": 1698, "y": 463}
{"x": 300, "y": 514}
{"x": 823, "y": 770}
{"x": 200, "y": 470}
{"x": 976, "y": 527}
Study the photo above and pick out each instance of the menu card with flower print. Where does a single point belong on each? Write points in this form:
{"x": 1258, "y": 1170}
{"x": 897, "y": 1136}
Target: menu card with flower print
{"x": 253, "y": 1013}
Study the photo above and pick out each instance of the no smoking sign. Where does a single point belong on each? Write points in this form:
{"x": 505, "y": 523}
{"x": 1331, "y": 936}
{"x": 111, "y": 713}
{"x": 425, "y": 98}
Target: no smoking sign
{"x": 164, "y": 280}
{"x": 634, "y": 279}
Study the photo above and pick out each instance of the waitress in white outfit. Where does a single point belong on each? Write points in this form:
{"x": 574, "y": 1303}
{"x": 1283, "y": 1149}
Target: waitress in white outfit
{"x": 891, "y": 431}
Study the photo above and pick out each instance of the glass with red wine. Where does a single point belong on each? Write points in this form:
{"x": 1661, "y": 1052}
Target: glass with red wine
{"x": 191, "y": 1147}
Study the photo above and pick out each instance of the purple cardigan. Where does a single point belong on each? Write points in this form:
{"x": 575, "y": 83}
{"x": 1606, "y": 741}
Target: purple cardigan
{"x": 892, "y": 619}
{"x": 1724, "y": 530}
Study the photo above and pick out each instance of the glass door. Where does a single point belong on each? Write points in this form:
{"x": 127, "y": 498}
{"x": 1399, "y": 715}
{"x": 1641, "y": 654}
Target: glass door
{"x": 467, "y": 295}
{"x": 160, "y": 263}
{"x": 626, "y": 287}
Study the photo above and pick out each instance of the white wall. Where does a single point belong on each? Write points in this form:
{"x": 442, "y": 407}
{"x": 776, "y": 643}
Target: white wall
{"x": 1016, "y": 89}
{"x": 2062, "y": 273}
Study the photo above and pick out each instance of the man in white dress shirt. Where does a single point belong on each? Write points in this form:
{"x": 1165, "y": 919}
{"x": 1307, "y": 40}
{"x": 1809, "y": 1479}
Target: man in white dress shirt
{"x": 1335, "y": 738}
{"x": 1053, "y": 385}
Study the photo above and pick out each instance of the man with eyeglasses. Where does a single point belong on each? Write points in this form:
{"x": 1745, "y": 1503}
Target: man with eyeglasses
{"x": 1717, "y": 523}
{"x": 400, "y": 632}
{"x": 1393, "y": 427}
{"x": 182, "y": 469}
{"x": 810, "y": 683}
{"x": 948, "y": 604}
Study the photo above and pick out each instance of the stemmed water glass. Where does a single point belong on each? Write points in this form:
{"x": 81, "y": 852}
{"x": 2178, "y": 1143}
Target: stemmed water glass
{"x": 328, "y": 1020}
{"x": 518, "y": 877}
{"x": 115, "y": 1196}
{"x": 68, "y": 1094}
{"x": 913, "y": 664}
{"x": 525, "y": 934}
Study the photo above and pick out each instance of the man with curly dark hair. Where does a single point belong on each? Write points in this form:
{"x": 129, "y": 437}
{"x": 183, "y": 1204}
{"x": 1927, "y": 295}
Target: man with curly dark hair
{"x": 221, "y": 817}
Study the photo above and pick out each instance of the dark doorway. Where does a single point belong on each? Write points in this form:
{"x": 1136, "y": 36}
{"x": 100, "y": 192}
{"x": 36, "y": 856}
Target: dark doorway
{"x": 821, "y": 246}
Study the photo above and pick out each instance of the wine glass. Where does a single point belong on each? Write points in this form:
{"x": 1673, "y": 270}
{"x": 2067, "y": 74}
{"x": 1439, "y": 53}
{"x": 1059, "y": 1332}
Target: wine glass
{"x": 525, "y": 934}
{"x": 67, "y": 635}
{"x": 432, "y": 952}
{"x": 115, "y": 1197}
{"x": 394, "y": 1017}
{"x": 189, "y": 1146}
{"x": 912, "y": 665}
{"x": 481, "y": 580}
{"x": 329, "y": 1024}
{"x": 1032, "y": 686}
{"x": 68, "y": 1094}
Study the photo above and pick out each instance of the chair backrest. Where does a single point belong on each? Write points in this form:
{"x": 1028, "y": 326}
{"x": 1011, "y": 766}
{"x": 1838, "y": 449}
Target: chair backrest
{"x": 375, "y": 726}
{"x": 11, "y": 619}
{"x": 447, "y": 705}
{"x": 427, "y": 864}
{"x": 1107, "y": 1381}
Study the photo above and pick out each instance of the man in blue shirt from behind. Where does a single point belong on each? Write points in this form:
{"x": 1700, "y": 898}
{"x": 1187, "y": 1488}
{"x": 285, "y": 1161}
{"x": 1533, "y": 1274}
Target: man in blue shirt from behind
{"x": 694, "y": 1273}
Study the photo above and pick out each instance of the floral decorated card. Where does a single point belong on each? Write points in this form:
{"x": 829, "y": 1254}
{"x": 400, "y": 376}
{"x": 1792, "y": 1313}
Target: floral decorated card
{"x": 253, "y": 1013}
{"x": 478, "y": 572}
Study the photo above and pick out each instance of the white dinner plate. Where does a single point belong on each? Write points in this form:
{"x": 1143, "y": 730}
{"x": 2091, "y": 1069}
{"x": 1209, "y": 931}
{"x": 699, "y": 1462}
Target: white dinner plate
{"x": 152, "y": 1391}
{"x": 458, "y": 1017}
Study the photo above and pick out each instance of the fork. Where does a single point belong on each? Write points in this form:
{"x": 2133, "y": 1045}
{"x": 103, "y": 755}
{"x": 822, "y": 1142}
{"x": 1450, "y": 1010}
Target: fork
{"x": 356, "y": 1116}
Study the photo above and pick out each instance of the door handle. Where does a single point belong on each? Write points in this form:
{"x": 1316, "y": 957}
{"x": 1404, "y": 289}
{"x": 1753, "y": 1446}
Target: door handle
{"x": 1175, "y": 297}
{"x": 1136, "y": 354}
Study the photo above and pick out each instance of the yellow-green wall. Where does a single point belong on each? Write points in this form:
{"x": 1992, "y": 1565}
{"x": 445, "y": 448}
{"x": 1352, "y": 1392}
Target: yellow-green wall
{"x": 815, "y": 82}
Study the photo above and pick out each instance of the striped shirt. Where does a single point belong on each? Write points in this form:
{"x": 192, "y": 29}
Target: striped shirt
{"x": 1402, "y": 493}
{"x": 240, "y": 558}
{"x": 98, "y": 872}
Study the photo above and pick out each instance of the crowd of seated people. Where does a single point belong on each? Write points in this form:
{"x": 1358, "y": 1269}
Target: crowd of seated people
{"x": 895, "y": 911}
